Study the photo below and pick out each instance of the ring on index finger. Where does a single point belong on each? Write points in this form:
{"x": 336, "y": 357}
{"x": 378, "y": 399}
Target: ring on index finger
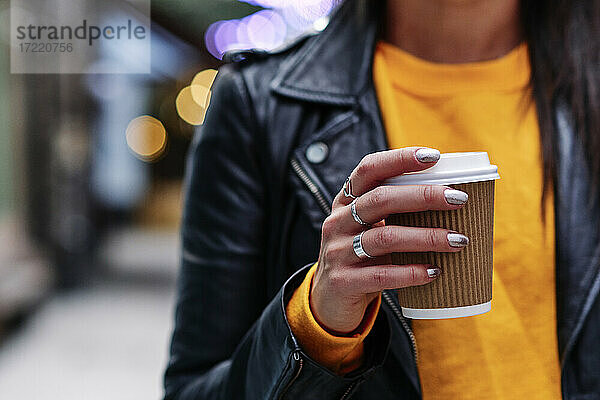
{"x": 348, "y": 189}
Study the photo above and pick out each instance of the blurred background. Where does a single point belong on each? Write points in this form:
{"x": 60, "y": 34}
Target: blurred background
{"x": 91, "y": 169}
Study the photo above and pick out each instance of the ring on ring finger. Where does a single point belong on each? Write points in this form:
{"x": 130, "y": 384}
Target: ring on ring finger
{"x": 356, "y": 216}
{"x": 358, "y": 247}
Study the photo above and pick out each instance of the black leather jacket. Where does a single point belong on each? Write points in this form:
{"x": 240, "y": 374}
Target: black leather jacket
{"x": 283, "y": 132}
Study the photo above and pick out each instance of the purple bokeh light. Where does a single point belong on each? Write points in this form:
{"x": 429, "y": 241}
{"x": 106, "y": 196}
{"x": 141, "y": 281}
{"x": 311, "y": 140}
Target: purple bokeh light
{"x": 226, "y": 36}
{"x": 266, "y": 29}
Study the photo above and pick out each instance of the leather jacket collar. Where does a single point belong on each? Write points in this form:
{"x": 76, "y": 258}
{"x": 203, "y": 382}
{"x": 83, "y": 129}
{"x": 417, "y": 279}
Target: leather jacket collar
{"x": 337, "y": 67}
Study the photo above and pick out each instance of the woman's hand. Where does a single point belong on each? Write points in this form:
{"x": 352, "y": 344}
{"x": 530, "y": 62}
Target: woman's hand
{"x": 344, "y": 284}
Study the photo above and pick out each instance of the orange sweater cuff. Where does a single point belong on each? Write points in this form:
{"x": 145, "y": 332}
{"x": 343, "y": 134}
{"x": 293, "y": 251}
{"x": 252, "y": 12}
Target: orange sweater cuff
{"x": 340, "y": 354}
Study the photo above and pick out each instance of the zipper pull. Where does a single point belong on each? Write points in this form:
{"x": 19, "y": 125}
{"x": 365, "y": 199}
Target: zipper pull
{"x": 296, "y": 356}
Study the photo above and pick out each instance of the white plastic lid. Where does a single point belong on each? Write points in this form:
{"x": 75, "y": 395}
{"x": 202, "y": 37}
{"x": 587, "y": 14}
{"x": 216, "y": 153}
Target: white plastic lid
{"x": 452, "y": 169}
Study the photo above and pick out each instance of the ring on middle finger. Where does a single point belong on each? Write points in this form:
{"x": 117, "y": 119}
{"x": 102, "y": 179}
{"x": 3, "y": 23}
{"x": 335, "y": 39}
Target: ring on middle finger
{"x": 355, "y": 214}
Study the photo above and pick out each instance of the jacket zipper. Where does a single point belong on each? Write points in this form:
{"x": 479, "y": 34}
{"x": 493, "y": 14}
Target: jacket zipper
{"x": 388, "y": 298}
{"x": 296, "y": 356}
{"x": 314, "y": 189}
{"x": 350, "y": 389}
{"x": 323, "y": 203}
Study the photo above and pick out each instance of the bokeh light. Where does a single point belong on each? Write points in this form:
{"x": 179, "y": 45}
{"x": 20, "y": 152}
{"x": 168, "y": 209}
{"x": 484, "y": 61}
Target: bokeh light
{"x": 226, "y": 37}
{"x": 200, "y": 95}
{"x": 201, "y": 86}
{"x": 311, "y": 10}
{"x": 146, "y": 137}
{"x": 266, "y": 29}
{"x": 321, "y": 23}
{"x": 188, "y": 110}
{"x": 209, "y": 39}
{"x": 205, "y": 77}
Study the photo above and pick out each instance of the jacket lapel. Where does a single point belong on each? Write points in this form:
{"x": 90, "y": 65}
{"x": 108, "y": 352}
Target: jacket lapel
{"x": 334, "y": 68}
{"x": 347, "y": 137}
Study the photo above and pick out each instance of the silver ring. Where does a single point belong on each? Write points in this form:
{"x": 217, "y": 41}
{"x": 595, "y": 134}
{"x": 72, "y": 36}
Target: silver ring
{"x": 358, "y": 247}
{"x": 355, "y": 214}
{"x": 348, "y": 189}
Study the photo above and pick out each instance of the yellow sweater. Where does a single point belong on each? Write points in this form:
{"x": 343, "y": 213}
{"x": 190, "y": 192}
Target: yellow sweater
{"x": 510, "y": 352}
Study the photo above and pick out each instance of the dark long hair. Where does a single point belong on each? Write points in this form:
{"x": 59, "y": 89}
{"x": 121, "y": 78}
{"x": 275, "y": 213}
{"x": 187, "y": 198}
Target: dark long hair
{"x": 564, "y": 49}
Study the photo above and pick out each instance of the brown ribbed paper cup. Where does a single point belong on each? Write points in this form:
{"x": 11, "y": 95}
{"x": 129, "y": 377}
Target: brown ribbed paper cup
{"x": 465, "y": 286}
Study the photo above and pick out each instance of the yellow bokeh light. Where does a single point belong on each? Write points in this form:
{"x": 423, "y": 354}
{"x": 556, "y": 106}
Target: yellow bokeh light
{"x": 146, "y": 137}
{"x": 201, "y": 86}
{"x": 205, "y": 78}
{"x": 200, "y": 94}
{"x": 190, "y": 111}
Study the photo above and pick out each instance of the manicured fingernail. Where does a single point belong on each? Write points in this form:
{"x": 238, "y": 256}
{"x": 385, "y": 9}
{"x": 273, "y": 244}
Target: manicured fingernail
{"x": 433, "y": 272}
{"x": 457, "y": 240}
{"x": 455, "y": 197}
{"x": 427, "y": 155}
